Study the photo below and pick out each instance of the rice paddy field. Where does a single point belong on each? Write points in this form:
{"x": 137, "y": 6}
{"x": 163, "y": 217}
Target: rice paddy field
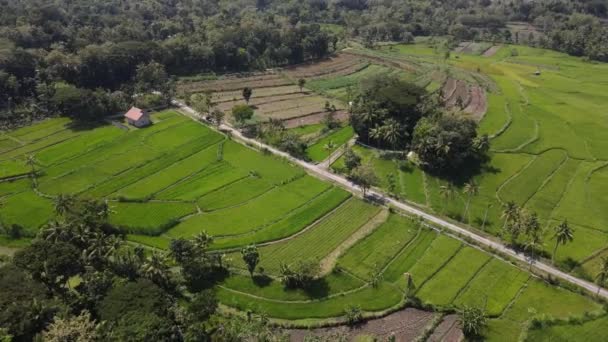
{"x": 179, "y": 177}
{"x": 547, "y": 152}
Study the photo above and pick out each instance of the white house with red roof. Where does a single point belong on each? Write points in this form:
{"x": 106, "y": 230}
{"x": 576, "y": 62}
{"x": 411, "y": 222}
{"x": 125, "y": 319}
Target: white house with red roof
{"x": 138, "y": 117}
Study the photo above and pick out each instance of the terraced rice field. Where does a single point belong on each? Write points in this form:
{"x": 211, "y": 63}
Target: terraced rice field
{"x": 444, "y": 271}
{"x": 166, "y": 180}
{"x": 178, "y": 178}
{"x": 546, "y": 155}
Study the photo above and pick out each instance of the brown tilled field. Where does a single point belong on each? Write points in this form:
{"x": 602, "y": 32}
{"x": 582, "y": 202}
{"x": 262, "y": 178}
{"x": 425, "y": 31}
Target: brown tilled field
{"x": 316, "y": 118}
{"x": 342, "y": 64}
{"x": 232, "y": 83}
{"x": 472, "y": 98}
{"x": 405, "y": 325}
{"x": 231, "y": 95}
{"x": 491, "y": 51}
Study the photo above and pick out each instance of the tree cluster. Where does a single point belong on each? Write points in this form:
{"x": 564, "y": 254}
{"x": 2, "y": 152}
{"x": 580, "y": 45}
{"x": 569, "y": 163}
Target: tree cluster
{"x": 118, "y": 45}
{"x": 78, "y": 281}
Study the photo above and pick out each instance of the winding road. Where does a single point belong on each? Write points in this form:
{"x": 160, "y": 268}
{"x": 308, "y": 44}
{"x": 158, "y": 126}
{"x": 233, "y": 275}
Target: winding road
{"x": 322, "y": 173}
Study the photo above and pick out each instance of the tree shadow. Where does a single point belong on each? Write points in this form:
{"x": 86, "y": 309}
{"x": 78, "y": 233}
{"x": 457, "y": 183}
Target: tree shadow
{"x": 82, "y": 125}
{"x": 261, "y": 280}
{"x": 206, "y": 279}
{"x": 466, "y": 172}
{"x": 318, "y": 288}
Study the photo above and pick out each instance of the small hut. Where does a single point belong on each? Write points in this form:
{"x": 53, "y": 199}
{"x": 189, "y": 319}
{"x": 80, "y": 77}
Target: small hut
{"x": 138, "y": 117}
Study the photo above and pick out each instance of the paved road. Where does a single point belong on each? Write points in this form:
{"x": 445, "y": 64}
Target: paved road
{"x": 345, "y": 183}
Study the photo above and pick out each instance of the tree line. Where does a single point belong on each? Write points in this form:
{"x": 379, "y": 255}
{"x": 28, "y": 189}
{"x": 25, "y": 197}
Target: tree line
{"x": 96, "y": 49}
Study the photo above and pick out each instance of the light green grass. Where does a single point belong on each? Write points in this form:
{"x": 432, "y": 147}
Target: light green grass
{"x": 441, "y": 250}
{"x": 444, "y": 286}
{"x": 377, "y": 249}
{"x": 321, "y": 239}
{"x": 148, "y": 218}
{"x": 256, "y": 214}
{"x": 370, "y": 299}
{"x": 594, "y": 330}
{"x": 493, "y": 287}
{"x": 292, "y": 223}
{"x": 325, "y": 146}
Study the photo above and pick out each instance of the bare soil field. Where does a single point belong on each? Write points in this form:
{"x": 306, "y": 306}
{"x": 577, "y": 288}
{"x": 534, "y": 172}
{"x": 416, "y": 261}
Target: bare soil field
{"x": 224, "y": 96}
{"x": 341, "y": 64}
{"x": 405, "y": 324}
{"x": 232, "y": 83}
{"x": 462, "y": 47}
{"x": 478, "y": 105}
{"x": 386, "y": 61}
{"x": 260, "y": 101}
{"x": 491, "y": 51}
{"x": 312, "y": 119}
{"x": 471, "y": 97}
{"x": 457, "y": 93}
{"x": 447, "y": 331}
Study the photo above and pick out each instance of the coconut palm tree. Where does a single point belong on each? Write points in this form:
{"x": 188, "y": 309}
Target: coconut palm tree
{"x": 470, "y": 189}
{"x": 155, "y": 268}
{"x": 563, "y": 235}
{"x": 533, "y": 244}
{"x": 509, "y": 212}
{"x": 602, "y": 275}
{"x": 447, "y": 192}
{"x": 330, "y": 146}
{"x": 377, "y": 133}
{"x": 57, "y": 231}
{"x": 485, "y": 216}
{"x": 63, "y": 203}
{"x": 31, "y": 161}
{"x": 202, "y": 240}
{"x": 392, "y": 132}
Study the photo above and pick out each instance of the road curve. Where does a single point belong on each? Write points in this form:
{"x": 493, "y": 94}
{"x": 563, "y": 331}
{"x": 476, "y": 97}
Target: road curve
{"x": 345, "y": 183}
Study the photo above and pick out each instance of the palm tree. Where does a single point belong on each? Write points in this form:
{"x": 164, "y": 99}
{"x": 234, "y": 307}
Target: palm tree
{"x": 485, "y": 216}
{"x": 509, "y": 212}
{"x": 63, "y": 203}
{"x": 155, "y": 268}
{"x": 470, "y": 189}
{"x": 202, "y": 240}
{"x": 31, "y": 162}
{"x": 392, "y": 132}
{"x": 56, "y": 231}
{"x": 447, "y": 192}
{"x": 377, "y": 133}
{"x": 531, "y": 246}
{"x": 602, "y": 276}
{"x": 330, "y": 146}
{"x": 563, "y": 235}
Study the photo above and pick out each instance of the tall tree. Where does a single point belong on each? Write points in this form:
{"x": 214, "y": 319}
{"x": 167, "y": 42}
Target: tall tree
{"x": 251, "y": 257}
{"x": 563, "y": 235}
{"x": 471, "y": 189}
{"x": 247, "y": 92}
{"x": 365, "y": 177}
{"x": 447, "y": 192}
{"x": 602, "y": 275}
{"x": 242, "y": 113}
{"x": 301, "y": 83}
{"x": 473, "y": 320}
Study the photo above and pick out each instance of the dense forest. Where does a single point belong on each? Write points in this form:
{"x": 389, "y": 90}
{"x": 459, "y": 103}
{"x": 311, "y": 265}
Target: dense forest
{"x": 83, "y": 58}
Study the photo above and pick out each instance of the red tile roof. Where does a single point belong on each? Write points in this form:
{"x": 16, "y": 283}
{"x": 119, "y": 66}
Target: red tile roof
{"x": 134, "y": 114}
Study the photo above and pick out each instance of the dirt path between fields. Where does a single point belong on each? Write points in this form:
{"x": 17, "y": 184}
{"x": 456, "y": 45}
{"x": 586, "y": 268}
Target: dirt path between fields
{"x": 405, "y": 325}
{"x": 328, "y": 263}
